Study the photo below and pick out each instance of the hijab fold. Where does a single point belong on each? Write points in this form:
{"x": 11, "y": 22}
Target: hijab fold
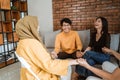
{"x": 27, "y": 28}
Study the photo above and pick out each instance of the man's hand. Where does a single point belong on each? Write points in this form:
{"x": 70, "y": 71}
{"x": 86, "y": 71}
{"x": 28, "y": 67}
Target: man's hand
{"x": 54, "y": 55}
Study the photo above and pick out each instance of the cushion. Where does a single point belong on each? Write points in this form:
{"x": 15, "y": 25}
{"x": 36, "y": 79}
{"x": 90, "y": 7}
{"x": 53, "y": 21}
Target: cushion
{"x": 85, "y": 37}
{"x": 49, "y": 38}
{"x": 119, "y": 43}
{"x": 114, "y": 42}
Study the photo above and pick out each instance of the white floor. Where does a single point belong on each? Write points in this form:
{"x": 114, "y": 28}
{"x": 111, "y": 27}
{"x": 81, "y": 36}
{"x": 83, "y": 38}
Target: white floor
{"x": 11, "y": 72}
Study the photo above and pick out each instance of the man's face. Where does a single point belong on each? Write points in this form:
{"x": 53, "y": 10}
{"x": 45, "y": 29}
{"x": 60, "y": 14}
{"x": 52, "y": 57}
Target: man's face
{"x": 66, "y": 27}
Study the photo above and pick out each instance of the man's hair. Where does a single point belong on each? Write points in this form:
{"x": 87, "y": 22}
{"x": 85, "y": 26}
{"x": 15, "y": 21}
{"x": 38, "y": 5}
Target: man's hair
{"x": 66, "y": 20}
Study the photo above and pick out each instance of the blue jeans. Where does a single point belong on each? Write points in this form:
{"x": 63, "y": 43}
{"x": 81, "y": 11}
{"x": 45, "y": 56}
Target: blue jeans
{"x": 92, "y": 58}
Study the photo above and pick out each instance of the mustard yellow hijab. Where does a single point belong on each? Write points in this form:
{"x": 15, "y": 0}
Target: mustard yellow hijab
{"x": 27, "y": 28}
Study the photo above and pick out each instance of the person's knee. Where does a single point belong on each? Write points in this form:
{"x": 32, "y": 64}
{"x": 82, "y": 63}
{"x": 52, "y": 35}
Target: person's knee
{"x": 106, "y": 63}
{"x": 91, "y": 62}
{"x": 108, "y": 66}
{"x": 90, "y": 53}
{"x": 87, "y": 55}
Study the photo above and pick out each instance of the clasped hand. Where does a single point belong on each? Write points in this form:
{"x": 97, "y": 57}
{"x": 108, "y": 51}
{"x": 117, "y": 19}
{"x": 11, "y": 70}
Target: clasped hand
{"x": 79, "y": 54}
{"x": 82, "y": 62}
{"x": 54, "y": 55}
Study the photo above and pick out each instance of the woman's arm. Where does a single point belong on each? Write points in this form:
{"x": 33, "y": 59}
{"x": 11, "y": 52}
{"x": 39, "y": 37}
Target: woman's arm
{"x": 40, "y": 57}
{"x": 103, "y": 74}
{"x": 112, "y": 52}
{"x": 116, "y": 54}
{"x": 80, "y": 54}
{"x": 87, "y": 49}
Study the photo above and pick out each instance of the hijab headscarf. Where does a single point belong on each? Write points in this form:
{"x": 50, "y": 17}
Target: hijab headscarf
{"x": 27, "y": 28}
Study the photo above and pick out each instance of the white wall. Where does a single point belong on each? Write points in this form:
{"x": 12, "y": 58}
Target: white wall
{"x": 43, "y": 10}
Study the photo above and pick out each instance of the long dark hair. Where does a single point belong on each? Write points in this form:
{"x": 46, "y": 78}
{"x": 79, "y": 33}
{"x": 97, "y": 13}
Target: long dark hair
{"x": 104, "y": 24}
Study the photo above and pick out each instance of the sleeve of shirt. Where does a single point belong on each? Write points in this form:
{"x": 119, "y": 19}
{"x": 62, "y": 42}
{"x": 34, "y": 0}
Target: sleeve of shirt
{"x": 42, "y": 58}
{"x": 57, "y": 44}
{"x": 78, "y": 42}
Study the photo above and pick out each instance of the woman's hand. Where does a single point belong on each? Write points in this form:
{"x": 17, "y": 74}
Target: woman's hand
{"x": 82, "y": 62}
{"x": 106, "y": 50}
{"x": 54, "y": 55}
{"x": 73, "y": 62}
{"x": 79, "y": 54}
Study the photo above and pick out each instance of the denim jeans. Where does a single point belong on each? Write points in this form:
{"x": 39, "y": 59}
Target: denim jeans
{"x": 92, "y": 58}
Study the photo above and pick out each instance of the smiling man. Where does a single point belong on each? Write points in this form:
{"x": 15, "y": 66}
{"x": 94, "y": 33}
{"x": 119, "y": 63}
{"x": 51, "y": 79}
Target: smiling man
{"x": 67, "y": 43}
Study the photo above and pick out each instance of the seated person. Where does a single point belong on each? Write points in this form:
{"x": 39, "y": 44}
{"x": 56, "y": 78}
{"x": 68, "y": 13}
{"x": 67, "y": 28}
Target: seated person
{"x": 93, "y": 53}
{"x": 31, "y": 48}
{"x": 67, "y": 43}
{"x": 112, "y": 71}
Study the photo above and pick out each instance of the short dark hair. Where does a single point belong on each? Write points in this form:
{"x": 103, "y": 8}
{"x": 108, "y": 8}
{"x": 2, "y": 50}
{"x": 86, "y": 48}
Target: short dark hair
{"x": 66, "y": 20}
{"x": 104, "y": 24}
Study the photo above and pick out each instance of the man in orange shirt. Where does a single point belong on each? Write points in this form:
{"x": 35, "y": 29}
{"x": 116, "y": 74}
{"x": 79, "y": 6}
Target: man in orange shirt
{"x": 68, "y": 43}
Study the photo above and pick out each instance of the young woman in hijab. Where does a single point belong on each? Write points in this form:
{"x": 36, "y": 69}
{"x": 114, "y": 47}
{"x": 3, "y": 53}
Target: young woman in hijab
{"x": 31, "y": 48}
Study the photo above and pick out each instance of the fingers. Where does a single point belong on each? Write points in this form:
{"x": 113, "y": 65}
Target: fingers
{"x": 79, "y": 54}
{"x": 54, "y": 55}
{"x": 106, "y": 50}
{"x": 82, "y": 53}
{"x": 81, "y": 60}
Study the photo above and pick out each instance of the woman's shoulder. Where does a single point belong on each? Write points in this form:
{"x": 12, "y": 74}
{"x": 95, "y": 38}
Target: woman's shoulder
{"x": 28, "y": 41}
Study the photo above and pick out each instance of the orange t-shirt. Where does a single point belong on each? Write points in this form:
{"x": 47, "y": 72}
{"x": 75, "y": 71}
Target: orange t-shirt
{"x": 68, "y": 42}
